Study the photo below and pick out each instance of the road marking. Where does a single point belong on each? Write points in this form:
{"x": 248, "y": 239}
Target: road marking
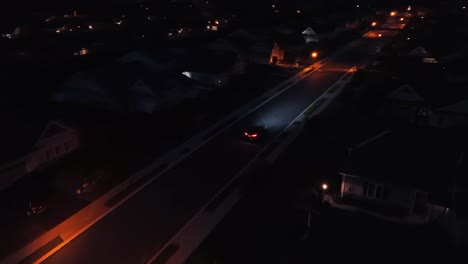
{"x": 241, "y": 172}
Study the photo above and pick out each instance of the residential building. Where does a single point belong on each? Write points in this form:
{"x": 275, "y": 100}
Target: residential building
{"x": 402, "y": 173}
{"x": 28, "y": 146}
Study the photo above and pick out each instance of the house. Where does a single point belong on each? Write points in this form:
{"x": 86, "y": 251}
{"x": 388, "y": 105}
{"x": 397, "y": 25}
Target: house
{"x": 127, "y": 87}
{"x": 214, "y": 68}
{"x": 405, "y": 103}
{"x": 217, "y": 24}
{"x": 288, "y": 49}
{"x": 310, "y": 35}
{"x": 423, "y": 54}
{"x": 400, "y": 173}
{"x": 427, "y": 106}
{"x": 31, "y": 145}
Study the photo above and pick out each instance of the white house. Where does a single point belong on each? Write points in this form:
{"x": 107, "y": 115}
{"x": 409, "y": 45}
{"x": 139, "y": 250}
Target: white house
{"x": 310, "y": 35}
{"x": 400, "y": 172}
{"x": 28, "y": 149}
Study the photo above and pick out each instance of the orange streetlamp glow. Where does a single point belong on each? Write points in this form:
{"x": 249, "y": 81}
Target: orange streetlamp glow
{"x": 324, "y": 186}
{"x": 393, "y": 13}
{"x": 374, "y": 24}
{"x": 401, "y": 19}
{"x": 314, "y": 54}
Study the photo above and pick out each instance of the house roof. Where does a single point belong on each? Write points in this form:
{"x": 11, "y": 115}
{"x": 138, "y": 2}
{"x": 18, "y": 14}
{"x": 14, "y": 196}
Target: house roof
{"x": 309, "y": 31}
{"x": 405, "y": 93}
{"x": 422, "y": 159}
{"x": 419, "y": 51}
{"x": 460, "y": 107}
{"x": 18, "y": 135}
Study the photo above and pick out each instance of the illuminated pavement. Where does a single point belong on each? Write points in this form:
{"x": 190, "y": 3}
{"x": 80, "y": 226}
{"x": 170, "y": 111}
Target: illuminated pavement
{"x": 141, "y": 226}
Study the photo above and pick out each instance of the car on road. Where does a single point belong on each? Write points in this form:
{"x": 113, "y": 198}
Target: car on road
{"x": 255, "y": 133}
{"x": 37, "y": 205}
{"x": 90, "y": 183}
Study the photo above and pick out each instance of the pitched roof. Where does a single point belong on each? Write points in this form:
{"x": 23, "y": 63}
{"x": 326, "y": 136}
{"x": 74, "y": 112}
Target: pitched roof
{"x": 309, "y": 31}
{"x": 419, "y": 51}
{"x": 460, "y": 107}
{"x": 405, "y": 93}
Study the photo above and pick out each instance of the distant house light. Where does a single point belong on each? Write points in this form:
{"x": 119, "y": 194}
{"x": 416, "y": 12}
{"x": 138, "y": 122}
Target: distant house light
{"x": 90, "y": 27}
{"x": 273, "y": 6}
{"x": 357, "y": 6}
{"x": 429, "y": 60}
{"x": 188, "y": 74}
{"x": 118, "y": 23}
{"x": 83, "y": 52}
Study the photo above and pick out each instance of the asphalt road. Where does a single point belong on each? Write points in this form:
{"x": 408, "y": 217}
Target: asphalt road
{"x": 138, "y": 229}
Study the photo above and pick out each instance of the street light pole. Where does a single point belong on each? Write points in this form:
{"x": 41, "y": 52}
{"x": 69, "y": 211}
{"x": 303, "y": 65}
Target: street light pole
{"x": 324, "y": 188}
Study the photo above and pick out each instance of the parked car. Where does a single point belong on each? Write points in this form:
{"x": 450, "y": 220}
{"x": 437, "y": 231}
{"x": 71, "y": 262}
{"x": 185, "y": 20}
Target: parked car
{"x": 91, "y": 182}
{"x": 37, "y": 204}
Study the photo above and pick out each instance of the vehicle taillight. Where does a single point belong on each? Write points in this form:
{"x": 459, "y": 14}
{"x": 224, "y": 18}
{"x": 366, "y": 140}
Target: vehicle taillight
{"x": 245, "y": 133}
{"x": 254, "y": 135}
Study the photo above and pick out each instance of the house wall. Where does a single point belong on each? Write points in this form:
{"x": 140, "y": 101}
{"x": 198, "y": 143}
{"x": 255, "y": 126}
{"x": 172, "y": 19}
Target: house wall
{"x": 278, "y": 53}
{"x": 393, "y": 194}
{"x": 52, "y": 148}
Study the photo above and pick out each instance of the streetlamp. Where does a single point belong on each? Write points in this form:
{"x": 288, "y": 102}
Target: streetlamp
{"x": 324, "y": 189}
{"x": 374, "y": 24}
{"x": 393, "y": 13}
{"x": 314, "y": 54}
